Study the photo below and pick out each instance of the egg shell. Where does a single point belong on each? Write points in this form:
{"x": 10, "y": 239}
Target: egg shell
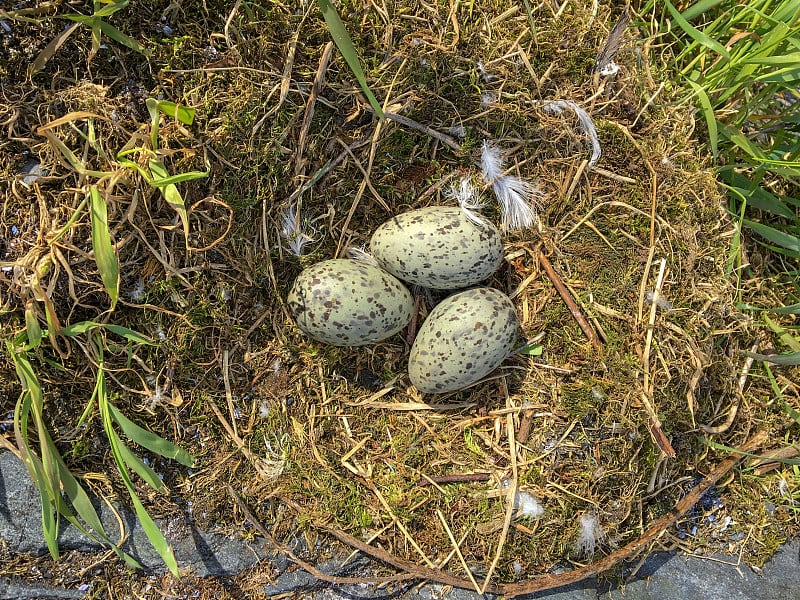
{"x": 438, "y": 247}
{"x": 465, "y": 338}
{"x": 349, "y": 303}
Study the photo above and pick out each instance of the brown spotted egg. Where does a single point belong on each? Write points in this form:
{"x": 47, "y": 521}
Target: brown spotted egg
{"x": 465, "y": 338}
{"x": 438, "y": 247}
{"x": 348, "y": 303}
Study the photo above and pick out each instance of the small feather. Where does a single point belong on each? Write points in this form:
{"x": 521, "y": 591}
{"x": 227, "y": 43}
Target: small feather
{"x": 558, "y": 106}
{"x": 468, "y": 198}
{"x": 292, "y": 232}
{"x": 605, "y": 58}
{"x": 361, "y": 255}
{"x": 590, "y": 536}
{"x": 518, "y": 198}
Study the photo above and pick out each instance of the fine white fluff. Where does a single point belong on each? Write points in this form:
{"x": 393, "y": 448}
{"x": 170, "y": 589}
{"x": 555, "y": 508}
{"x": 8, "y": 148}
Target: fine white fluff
{"x": 292, "y": 231}
{"x": 516, "y": 196}
{"x": 591, "y": 535}
{"x": 468, "y": 198}
{"x": 361, "y": 255}
{"x": 558, "y": 106}
{"x": 528, "y": 505}
{"x": 661, "y": 302}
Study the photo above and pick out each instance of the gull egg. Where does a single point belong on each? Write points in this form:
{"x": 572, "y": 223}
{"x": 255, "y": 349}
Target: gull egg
{"x": 349, "y": 303}
{"x": 465, "y": 338}
{"x": 438, "y": 247}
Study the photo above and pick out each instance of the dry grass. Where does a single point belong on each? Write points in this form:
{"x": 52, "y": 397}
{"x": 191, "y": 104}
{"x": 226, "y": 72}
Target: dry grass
{"x": 310, "y": 435}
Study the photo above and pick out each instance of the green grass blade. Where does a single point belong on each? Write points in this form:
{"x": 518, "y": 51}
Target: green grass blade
{"x": 786, "y": 76}
{"x": 110, "y": 8}
{"x": 790, "y": 358}
{"x": 151, "y": 530}
{"x": 152, "y": 109}
{"x": 755, "y": 195}
{"x": 85, "y": 326}
{"x": 781, "y": 238}
{"x": 708, "y": 115}
{"x": 32, "y": 328}
{"x": 776, "y": 388}
{"x": 183, "y": 114}
{"x": 792, "y": 58}
{"x": 104, "y": 254}
{"x": 342, "y": 40}
{"x": 170, "y": 192}
{"x": 699, "y": 8}
{"x": 179, "y": 178}
{"x": 792, "y": 309}
{"x": 85, "y": 510}
{"x": 70, "y": 222}
{"x": 119, "y": 37}
{"x": 697, "y": 35}
{"x": 149, "y": 440}
{"x": 155, "y": 536}
{"x": 783, "y": 334}
{"x": 43, "y": 475}
{"x": 142, "y": 470}
{"x": 129, "y": 334}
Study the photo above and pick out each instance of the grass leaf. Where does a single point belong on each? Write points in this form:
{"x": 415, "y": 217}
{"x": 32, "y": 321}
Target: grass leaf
{"x": 32, "y": 327}
{"x": 141, "y": 469}
{"x": 110, "y": 8}
{"x": 119, "y": 37}
{"x": 708, "y": 115}
{"x": 152, "y": 531}
{"x": 790, "y": 358}
{"x": 781, "y": 238}
{"x": 181, "y": 113}
{"x": 149, "y": 440}
{"x": 104, "y": 254}
{"x": 49, "y": 51}
{"x": 170, "y": 192}
{"x": 342, "y": 40}
{"x": 697, "y": 35}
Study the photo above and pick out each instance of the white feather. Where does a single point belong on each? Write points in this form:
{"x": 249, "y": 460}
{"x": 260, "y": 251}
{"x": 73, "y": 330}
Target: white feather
{"x": 469, "y": 199}
{"x": 518, "y": 198}
{"x": 292, "y": 232}
{"x": 361, "y": 255}
{"x": 590, "y": 536}
{"x": 528, "y": 505}
{"x": 558, "y": 106}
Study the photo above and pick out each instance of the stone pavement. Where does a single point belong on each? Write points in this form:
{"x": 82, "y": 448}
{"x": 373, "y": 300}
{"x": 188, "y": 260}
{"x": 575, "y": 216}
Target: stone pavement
{"x": 663, "y": 576}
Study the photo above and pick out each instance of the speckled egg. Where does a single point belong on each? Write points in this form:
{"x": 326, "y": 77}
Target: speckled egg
{"x": 465, "y": 338}
{"x": 438, "y": 247}
{"x": 348, "y": 303}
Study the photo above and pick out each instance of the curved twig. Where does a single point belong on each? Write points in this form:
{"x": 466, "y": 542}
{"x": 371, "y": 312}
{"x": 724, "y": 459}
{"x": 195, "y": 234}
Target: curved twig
{"x": 548, "y": 581}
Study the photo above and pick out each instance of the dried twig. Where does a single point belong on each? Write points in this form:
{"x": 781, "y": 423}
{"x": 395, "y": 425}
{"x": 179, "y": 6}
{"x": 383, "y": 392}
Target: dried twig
{"x": 512, "y": 493}
{"x": 303, "y": 564}
{"x": 648, "y": 387}
{"x": 734, "y": 409}
{"x": 457, "y": 550}
{"x": 319, "y": 81}
{"x": 525, "y": 424}
{"x": 568, "y": 300}
{"x": 437, "y": 135}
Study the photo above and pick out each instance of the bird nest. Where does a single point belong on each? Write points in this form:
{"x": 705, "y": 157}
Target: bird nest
{"x": 593, "y": 444}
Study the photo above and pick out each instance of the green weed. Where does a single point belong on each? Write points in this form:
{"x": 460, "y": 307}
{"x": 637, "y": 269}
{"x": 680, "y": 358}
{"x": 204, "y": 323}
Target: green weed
{"x": 95, "y": 22}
